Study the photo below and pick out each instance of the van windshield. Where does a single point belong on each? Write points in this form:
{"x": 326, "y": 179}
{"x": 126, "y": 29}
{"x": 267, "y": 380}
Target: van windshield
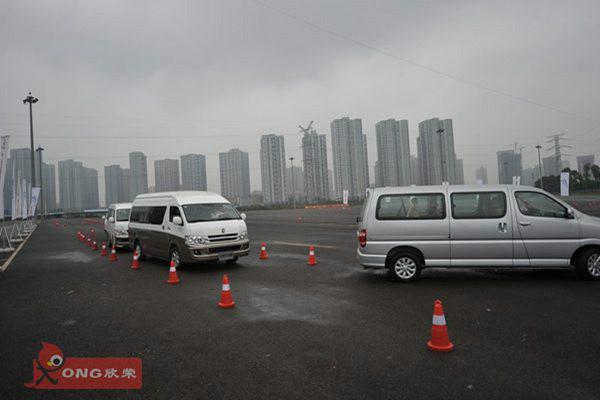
{"x": 123, "y": 214}
{"x": 209, "y": 212}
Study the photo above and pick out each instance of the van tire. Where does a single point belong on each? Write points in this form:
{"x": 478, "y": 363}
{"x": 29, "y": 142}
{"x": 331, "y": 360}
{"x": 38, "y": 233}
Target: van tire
{"x": 404, "y": 266}
{"x": 174, "y": 250}
{"x": 137, "y": 245}
{"x": 232, "y": 261}
{"x": 583, "y": 265}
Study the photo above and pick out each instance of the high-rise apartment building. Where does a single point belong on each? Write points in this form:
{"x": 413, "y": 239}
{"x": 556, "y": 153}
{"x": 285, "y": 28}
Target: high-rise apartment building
{"x": 138, "y": 173}
{"x": 235, "y": 176}
{"x": 294, "y": 181}
{"x": 551, "y": 165}
{"x": 582, "y": 161}
{"x": 509, "y": 165}
{"x": 481, "y": 175}
{"x": 48, "y": 187}
{"x": 415, "y": 178}
{"x": 393, "y": 152}
{"x": 272, "y": 169}
{"x": 314, "y": 161}
{"x": 435, "y": 147}
{"x": 166, "y": 175}
{"x": 78, "y": 186}
{"x": 126, "y": 185}
{"x": 113, "y": 184}
{"x": 350, "y": 161}
{"x": 193, "y": 172}
{"x": 460, "y": 172}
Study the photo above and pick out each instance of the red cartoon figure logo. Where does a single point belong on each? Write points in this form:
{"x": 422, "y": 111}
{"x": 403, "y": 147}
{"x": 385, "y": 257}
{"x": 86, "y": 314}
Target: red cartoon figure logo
{"x": 47, "y": 365}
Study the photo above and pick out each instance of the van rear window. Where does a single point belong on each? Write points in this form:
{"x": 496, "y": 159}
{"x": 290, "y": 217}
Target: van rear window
{"x": 411, "y": 206}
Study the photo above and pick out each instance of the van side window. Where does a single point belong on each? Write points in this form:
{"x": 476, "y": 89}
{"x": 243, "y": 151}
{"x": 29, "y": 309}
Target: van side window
{"x": 157, "y": 215}
{"x": 411, "y": 206}
{"x": 174, "y": 212}
{"x": 477, "y": 205}
{"x": 536, "y": 204}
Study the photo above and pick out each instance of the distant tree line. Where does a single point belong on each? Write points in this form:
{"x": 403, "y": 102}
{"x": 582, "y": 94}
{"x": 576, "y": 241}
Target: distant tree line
{"x": 588, "y": 180}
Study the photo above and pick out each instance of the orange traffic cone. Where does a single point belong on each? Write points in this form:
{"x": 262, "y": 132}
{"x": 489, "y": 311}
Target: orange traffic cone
{"x": 104, "y": 252}
{"x": 94, "y": 245}
{"x": 93, "y": 232}
{"x": 173, "y": 278}
{"x": 135, "y": 264}
{"x": 299, "y": 219}
{"x": 312, "y": 260}
{"x": 263, "y": 251}
{"x": 113, "y": 254}
{"x": 226, "y": 299}
{"x": 89, "y": 242}
{"x": 79, "y": 236}
{"x": 439, "y": 332}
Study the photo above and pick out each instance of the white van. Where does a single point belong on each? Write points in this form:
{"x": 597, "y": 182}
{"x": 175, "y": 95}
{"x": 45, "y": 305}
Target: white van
{"x": 187, "y": 227}
{"x": 115, "y": 224}
{"x": 406, "y": 229}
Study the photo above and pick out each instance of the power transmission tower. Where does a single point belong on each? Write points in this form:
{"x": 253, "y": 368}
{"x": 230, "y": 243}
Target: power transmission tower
{"x": 557, "y": 149}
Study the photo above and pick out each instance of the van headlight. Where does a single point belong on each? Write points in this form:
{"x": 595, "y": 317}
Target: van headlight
{"x": 243, "y": 235}
{"x": 195, "y": 240}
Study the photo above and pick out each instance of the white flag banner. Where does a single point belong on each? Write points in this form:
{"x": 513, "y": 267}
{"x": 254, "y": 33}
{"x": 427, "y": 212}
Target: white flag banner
{"x": 564, "y": 183}
{"x": 24, "y": 199}
{"x": 13, "y": 208}
{"x": 480, "y": 181}
{"x": 18, "y": 196}
{"x": 516, "y": 180}
{"x": 4, "y": 141}
{"x": 345, "y": 194}
{"x": 35, "y": 195}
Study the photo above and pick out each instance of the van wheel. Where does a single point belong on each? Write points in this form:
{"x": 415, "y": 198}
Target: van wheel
{"x": 588, "y": 264}
{"x": 404, "y": 266}
{"x": 138, "y": 247}
{"x": 232, "y": 261}
{"x": 175, "y": 256}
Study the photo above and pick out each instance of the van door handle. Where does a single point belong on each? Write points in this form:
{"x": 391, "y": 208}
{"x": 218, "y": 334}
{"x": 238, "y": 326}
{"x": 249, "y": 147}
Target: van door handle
{"x": 524, "y": 223}
{"x": 502, "y": 226}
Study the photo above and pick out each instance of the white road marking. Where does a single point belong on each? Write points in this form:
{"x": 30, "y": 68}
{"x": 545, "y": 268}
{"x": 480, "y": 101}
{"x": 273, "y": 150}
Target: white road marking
{"x": 322, "y": 246}
{"x": 13, "y": 255}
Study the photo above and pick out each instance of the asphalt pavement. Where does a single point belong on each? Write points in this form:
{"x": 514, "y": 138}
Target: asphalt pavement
{"x": 332, "y": 331}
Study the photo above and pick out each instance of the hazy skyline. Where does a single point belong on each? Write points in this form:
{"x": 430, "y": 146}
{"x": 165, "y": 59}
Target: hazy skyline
{"x": 203, "y": 77}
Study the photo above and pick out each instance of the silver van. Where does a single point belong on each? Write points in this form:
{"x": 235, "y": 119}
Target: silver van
{"x": 186, "y": 227}
{"x": 406, "y": 229}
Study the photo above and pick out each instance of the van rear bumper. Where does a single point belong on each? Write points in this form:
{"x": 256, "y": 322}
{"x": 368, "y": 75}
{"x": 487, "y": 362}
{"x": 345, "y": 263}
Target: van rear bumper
{"x": 370, "y": 260}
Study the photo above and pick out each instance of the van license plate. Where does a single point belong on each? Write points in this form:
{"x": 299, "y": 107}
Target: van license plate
{"x": 228, "y": 255}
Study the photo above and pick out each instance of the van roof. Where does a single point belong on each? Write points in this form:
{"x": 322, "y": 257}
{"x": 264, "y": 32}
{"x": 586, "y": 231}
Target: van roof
{"x": 442, "y": 188}
{"x": 120, "y": 205}
{"x": 184, "y": 197}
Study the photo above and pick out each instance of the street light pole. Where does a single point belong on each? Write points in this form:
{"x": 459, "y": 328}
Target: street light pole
{"x": 31, "y": 100}
{"x": 42, "y": 197}
{"x": 538, "y": 147}
{"x": 292, "y": 178}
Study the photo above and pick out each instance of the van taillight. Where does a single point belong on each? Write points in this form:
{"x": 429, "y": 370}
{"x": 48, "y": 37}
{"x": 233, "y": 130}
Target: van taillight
{"x": 362, "y": 237}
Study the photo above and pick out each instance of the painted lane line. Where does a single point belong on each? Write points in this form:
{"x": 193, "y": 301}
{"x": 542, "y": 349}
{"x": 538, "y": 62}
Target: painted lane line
{"x": 322, "y": 246}
{"x": 13, "y": 255}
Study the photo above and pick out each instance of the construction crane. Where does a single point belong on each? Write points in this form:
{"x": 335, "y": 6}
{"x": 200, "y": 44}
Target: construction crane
{"x": 306, "y": 130}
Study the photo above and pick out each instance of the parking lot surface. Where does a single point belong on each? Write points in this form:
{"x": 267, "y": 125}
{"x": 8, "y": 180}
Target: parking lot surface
{"x": 328, "y": 331}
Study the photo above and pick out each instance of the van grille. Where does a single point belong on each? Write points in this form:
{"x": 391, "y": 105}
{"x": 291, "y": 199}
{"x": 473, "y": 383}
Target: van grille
{"x": 222, "y": 238}
{"x": 223, "y": 249}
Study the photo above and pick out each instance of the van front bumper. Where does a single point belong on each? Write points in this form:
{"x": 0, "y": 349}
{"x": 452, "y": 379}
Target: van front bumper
{"x": 214, "y": 252}
{"x": 122, "y": 241}
{"x": 370, "y": 260}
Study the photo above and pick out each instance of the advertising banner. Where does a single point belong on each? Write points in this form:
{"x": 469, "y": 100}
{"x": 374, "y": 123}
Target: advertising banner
{"x": 24, "y": 198}
{"x": 16, "y": 210}
{"x": 35, "y": 195}
{"x": 564, "y": 183}
{"x": 345, "y": 196}
{"x": 4, "y": 140}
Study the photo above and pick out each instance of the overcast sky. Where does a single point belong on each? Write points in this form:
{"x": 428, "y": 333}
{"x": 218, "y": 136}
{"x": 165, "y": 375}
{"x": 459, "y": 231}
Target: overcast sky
{"x": 174, "y": 77}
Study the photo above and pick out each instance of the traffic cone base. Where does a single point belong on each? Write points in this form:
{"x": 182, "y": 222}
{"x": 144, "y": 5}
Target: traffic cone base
{"x": 226, "y": 298}
{"x": 439, "y": 342}
{"x": 173, "y": 278}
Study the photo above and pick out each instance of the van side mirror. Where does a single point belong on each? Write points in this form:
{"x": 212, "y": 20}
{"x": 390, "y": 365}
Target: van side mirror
{"x": 570, "y": 214}
{"x": 243, "y": 215}
{"x": 111, "y": 219}
{"x": 177, "y": 220}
